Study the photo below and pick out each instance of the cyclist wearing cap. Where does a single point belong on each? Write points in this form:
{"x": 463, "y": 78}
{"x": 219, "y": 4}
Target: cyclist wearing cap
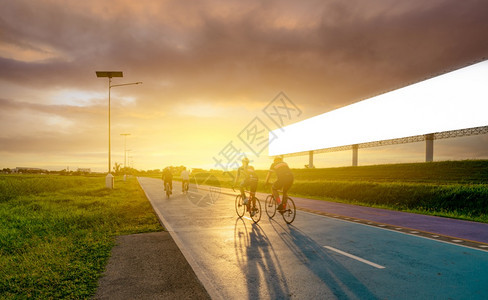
{"x": 284, "y": 181}
{"x": 250, "y": 180}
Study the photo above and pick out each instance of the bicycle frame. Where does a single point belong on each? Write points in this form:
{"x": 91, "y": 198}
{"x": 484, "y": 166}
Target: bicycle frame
{"x": 254, "y": 209}
{"x": 288, "y": 213}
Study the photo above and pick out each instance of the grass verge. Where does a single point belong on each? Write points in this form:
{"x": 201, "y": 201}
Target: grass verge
{"x": 56, "y": 232}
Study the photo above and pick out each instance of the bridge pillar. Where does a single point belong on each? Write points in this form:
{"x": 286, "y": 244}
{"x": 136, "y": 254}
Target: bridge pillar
{"x": 310, "y": 160}
{"x": 429, "y": 147}
{"x": 355, "y": 155}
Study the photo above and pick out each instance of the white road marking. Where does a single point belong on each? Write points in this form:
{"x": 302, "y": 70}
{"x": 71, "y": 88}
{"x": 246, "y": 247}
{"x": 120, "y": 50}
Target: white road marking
{"x": 477, "y": 247}
{"x": 355, "y": 257}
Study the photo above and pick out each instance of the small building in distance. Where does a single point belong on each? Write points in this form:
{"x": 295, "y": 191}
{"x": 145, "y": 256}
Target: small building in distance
{"x": 84, "y": 170}
{"x": 28, "y": 170}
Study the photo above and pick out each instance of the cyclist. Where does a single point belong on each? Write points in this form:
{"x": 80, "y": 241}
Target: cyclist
{"x": 185, "y": 178}
{"x": 250, "y": 179}
{"x": 168, "y": 178}
{"x": 284, "y": 181}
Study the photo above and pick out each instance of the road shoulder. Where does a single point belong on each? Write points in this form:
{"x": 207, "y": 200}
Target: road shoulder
{"x": 149, "y": 266}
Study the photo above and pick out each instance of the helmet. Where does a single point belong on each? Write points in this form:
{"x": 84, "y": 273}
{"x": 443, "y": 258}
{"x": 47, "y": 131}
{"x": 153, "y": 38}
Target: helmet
{"x": 278, "y": 158}
{"x": 245, "y": 160}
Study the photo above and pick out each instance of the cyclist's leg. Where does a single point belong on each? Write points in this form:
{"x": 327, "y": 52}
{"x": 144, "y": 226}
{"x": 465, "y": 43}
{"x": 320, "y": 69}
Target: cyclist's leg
{"x": 253, "y": 186}
{"x": 288, "y": 182}
{"x": 277, "y": 186}
{"x": 242, "y": 186}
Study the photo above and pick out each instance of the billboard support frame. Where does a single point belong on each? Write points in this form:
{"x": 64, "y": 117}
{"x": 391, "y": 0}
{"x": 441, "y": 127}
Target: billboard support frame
{"x": 428, "y": 138}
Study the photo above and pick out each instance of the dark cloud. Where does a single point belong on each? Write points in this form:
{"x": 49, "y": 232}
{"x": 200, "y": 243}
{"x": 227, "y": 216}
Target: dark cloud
{"x": 339, "y": 49}
{"x": 322, "y": 54}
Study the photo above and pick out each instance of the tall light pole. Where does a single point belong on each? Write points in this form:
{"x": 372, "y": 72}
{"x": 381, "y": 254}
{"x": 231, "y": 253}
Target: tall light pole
{"x": 109, "y": 179}
{"x": 125, "y": 153}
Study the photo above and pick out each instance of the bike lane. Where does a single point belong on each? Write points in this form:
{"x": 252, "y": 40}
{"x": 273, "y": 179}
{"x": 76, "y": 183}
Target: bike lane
{"x": 468, "y": 233}
{"x": 316, "y": 257}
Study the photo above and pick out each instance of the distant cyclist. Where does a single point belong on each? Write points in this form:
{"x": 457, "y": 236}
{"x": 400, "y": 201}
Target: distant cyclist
{"x": 284, "y": 181}
{"x": 168, "y": 178}
{"x": 250, "y": 179}
{"x": 185, "y": 178}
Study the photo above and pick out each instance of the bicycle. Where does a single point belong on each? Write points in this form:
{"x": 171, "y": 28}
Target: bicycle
{"x": 288, "y": 213}
{"x": 167, "y": 189}
{"x": 241, "y": 207}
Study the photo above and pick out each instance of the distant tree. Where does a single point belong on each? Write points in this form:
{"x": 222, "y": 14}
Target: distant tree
{"x": 117, "y": 168}
{"x": 197, "y": 170}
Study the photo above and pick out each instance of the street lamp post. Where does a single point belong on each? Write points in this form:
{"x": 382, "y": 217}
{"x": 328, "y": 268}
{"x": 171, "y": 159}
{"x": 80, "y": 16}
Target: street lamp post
{"x": 125, "y": 153}
{"x": 109, "y": 181}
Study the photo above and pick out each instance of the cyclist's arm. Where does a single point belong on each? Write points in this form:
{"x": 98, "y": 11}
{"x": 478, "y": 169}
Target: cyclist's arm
{"x": 267, "y": 177}
{"x": 237, "y": 176}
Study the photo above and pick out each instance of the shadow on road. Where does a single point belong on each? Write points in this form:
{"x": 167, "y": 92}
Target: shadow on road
{"x": 258, "y": 261}
{"x": 339, "y": 281}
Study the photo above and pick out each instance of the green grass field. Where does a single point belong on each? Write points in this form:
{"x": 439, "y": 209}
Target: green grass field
{"x": 56, "y": 232}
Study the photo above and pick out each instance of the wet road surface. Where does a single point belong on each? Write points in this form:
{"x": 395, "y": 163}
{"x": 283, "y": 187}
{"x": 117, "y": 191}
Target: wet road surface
{"x": 318, "y": 256}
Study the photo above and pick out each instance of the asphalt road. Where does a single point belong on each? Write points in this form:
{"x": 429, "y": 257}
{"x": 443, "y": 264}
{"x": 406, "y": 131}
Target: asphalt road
{"x": 316, "y": 257}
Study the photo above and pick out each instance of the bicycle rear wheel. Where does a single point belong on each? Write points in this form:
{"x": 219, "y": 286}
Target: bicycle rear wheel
{"x": 240, "y": 207}
{"x": 290, "y": 211}
{"x": 270, "y": 205}
{"x": 257, "y": 211}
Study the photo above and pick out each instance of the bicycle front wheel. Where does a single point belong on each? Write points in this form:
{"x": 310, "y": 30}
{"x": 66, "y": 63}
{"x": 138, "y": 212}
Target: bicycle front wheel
{"x": 270, "y": 205}
{"x": 240, "y": 206}
{"x": 290, "y": 211}
{"x": 256, "y": 211}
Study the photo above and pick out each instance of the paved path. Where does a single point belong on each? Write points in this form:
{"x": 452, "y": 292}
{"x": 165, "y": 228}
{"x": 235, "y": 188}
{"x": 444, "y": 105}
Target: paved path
{"x": 319, "y": 256}
{"x": 451, "y": 227}
{"x": 472, "y": 233}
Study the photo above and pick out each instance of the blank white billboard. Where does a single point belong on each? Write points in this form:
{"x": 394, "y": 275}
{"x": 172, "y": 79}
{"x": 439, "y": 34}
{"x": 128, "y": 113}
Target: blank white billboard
{"x": 452, "y": 101}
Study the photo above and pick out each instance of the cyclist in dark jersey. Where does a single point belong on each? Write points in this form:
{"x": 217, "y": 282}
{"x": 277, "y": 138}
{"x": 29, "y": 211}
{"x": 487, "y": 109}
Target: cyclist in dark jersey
{"x": 168, "y": 178}
{"x": 284, "y": 181}
{"x": 250, "y": 179}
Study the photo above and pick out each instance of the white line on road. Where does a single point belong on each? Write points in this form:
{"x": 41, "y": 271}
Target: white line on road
{"x": 355, "y": 257}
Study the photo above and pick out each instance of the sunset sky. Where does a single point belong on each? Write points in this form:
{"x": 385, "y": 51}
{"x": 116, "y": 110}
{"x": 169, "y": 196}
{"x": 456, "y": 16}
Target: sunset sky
{"x": 210, "y": 70}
